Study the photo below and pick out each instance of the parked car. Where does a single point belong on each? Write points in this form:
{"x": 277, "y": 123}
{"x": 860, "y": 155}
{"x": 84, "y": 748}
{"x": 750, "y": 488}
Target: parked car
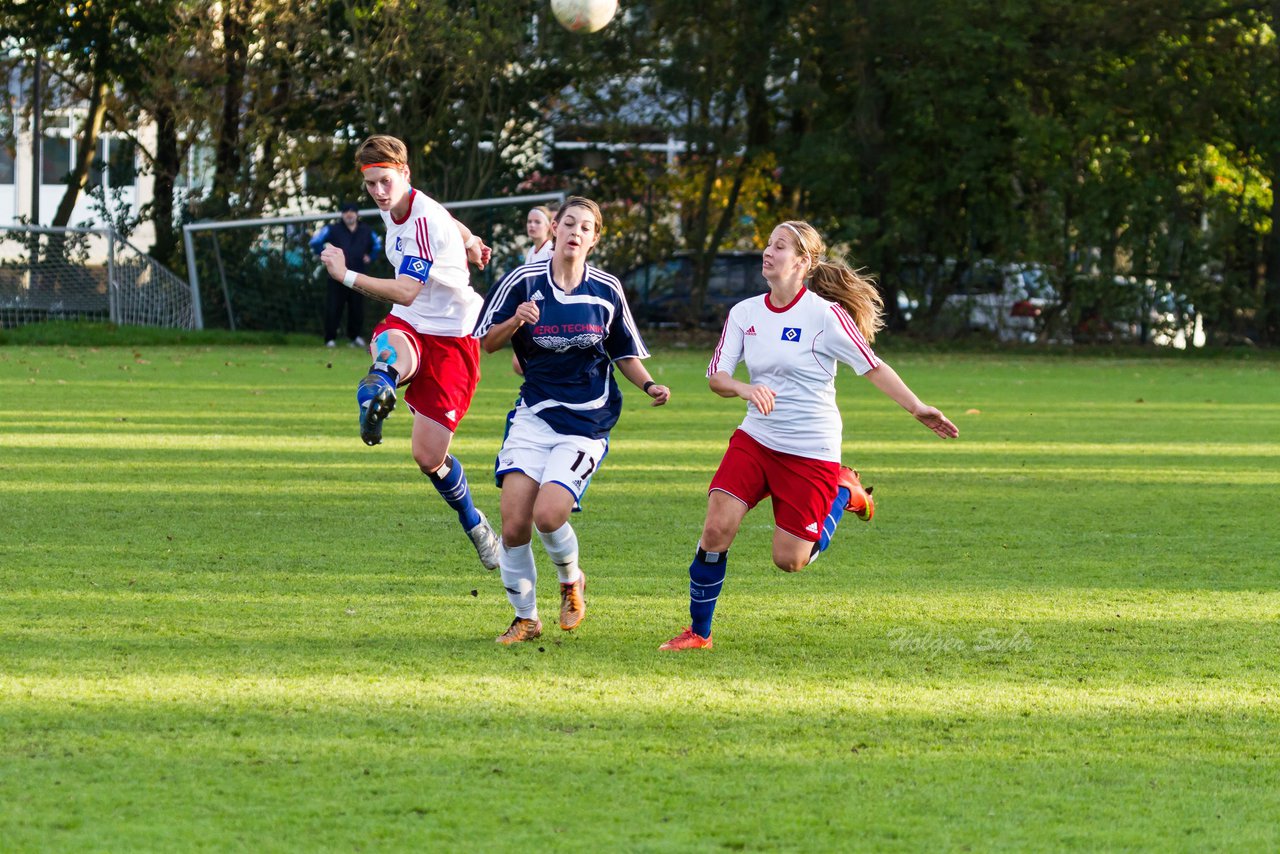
{"x": 660, "y": 292}
{"x": 1007, "y": 300}
{"x": 1153, "y": 311}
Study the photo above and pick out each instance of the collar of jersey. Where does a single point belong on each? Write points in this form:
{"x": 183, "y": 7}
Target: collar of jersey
{"x": 407, "y": 211}
{"x": 776, "y": 310}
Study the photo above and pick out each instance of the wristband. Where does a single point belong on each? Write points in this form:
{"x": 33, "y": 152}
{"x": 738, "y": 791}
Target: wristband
{"x": 645, "y": 388}
{"x": 349, "y": 279}
{"x": 471, "y": 241}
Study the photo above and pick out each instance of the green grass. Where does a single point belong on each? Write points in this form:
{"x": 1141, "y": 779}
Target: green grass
{"x": 225, "y": 623}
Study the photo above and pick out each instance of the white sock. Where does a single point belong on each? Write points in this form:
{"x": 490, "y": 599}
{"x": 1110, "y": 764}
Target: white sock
{"x": 520, "y": 577}
{"x": 562, "y": 547}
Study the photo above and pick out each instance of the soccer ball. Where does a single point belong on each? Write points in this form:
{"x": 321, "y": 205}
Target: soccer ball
{"x": 584, "y": 16}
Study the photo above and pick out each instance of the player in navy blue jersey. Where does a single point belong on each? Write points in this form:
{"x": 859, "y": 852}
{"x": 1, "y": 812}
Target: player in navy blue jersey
{"x": 569, "y": 325}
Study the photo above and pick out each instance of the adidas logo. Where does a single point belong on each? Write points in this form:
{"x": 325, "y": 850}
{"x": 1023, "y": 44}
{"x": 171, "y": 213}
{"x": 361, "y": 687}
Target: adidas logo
{"x": 537, "y": 296}
{"x": 452, "y": 415}
{"x": 751, "y": 330}
{"x": 812, "y": 527}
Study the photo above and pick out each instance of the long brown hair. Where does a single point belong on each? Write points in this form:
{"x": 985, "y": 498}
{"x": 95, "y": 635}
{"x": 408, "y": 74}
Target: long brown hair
{"x": 835, "y": 280}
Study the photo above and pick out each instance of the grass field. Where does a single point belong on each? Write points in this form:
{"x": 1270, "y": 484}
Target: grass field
{"x": 225, "y": 623}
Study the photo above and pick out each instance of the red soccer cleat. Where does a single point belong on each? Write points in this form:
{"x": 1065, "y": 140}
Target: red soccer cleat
{"x": 860, "y": 502}
{"x": 688, "y": 639}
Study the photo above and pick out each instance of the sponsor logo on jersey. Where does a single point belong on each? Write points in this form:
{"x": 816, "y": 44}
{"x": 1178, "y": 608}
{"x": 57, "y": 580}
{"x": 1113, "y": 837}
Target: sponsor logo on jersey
{"x": 578, "y": 482}
{"x": 537, "y": 296}
{"x": 812, "y": 527}
{"x": 751, "y": 330}
{"x": 790, "y": 333}
{"x": 399, "y": 243}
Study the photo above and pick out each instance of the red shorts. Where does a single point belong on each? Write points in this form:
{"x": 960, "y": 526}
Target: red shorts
{"x": 448, "y": 372}
{"x": 803, "y": 489}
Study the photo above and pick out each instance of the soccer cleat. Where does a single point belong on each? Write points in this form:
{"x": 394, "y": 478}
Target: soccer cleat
{"x": 376, "y": 395}
{"x": 485, "y": 541}
{"x": 688, "y": 639}
{"x": 519, "y": 631}
{"x": 860, "y": 502}
{"x": 573, "y": 607}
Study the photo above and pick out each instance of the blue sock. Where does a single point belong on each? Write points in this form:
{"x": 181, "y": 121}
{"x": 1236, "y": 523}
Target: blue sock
{"x": 833, "y": 519}
{"x": 451, "y": 482}
{"x": 706, "y": 577}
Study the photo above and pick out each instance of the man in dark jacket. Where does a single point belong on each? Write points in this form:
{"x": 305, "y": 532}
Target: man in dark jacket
{"x": 359, "y": 243}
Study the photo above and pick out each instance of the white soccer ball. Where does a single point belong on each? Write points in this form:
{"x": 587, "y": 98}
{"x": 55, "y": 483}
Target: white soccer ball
{"x": 584, "y": 16}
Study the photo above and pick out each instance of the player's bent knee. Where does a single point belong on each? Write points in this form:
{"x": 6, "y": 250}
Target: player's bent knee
{"x": 790, "y": 561}
{"x": 428, "y": 460}
{"x": 547, "y": 521}
{"x": 515, "y": 534}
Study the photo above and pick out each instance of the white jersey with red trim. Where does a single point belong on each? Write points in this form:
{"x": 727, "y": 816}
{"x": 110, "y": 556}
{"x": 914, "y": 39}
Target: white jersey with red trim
{"x": 794, "y": 351}
{"x": 540, "y": 253}
{"x": 426, "y": 246}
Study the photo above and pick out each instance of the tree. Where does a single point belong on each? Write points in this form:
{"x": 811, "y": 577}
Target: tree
{"x": 93, "y": 47}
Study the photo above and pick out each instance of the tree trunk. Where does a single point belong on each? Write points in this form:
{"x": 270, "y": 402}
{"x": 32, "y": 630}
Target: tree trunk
{"x": 84, "y": 156}
{"x": 234, "y": 62}
{"x": 1269, "y": 311}
{"x": 167, "y": 164}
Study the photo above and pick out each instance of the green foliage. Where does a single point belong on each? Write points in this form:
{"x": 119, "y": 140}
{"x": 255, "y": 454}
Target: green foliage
{"x": 227, "y": 623}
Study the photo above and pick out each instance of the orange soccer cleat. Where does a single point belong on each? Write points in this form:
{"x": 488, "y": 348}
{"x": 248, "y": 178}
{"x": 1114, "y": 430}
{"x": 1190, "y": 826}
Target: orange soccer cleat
{"x": 572, "y": 605}
{"x": 860, "y": 501}
{"x": 520, "y": 630}
{"x": 688, "y": 639}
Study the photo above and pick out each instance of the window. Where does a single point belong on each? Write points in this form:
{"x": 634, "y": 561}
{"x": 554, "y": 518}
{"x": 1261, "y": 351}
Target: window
{"x": 55, "y": 163}
{"x": 7, "y": 153}
{"x": 115, "y": 159}
{"x": 121, "y": 165}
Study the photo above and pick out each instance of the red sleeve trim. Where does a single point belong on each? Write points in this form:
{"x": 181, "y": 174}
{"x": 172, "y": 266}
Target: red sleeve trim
{"x": 851, "y": 329}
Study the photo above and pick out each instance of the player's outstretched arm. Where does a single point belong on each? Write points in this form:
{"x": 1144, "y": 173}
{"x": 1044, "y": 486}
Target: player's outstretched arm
{"x": 887, "y": 380}
{"x": 634, "y": 370}
{"x": 401, "y": 290}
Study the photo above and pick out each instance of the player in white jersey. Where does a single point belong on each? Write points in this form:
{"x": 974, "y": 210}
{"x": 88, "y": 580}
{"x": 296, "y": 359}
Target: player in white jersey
{"x": 538, "y": 226}
{"x": 570, "y": 326}
{"x": 788, "y": 446}
{"x": 425, "y": 343}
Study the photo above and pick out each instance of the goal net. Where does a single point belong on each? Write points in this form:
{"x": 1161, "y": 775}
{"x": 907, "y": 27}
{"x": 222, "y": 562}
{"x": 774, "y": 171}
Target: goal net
{"x": 261, "y": 274}
{"x": 86, "y": 274}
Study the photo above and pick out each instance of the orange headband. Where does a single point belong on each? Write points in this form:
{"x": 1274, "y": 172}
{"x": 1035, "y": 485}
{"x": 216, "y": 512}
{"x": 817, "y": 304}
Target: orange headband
{"x": 369, "y": 166}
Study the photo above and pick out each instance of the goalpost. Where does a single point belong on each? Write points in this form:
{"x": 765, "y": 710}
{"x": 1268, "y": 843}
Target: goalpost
{"x": 261, "y": 274}
{"x": 49, "y": 273}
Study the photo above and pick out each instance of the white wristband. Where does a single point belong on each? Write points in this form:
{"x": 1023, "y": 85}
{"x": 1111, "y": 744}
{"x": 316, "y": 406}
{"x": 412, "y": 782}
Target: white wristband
{"x": 471, "y": 241}
{"x": 349, "y": 279}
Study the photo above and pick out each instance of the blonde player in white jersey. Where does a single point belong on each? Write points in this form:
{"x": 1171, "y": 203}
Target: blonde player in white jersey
{"x": 425, "y": 343}
{"x": 538, "y": 226}
{"x": 817, "y": 313}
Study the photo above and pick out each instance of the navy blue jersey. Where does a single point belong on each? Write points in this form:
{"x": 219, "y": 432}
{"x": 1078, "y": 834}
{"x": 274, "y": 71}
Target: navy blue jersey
{"x": 568, "y": 355}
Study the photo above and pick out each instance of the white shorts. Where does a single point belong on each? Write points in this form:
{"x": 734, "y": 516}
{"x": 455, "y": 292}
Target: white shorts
{"x": 532, "y": 448}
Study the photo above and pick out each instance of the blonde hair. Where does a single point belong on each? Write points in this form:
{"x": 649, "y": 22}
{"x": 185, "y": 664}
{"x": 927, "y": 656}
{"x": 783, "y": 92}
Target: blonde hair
{"x": 833, "y": 279}
{"x": 382, "y": 149}
{"x": 544, "y": 210}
